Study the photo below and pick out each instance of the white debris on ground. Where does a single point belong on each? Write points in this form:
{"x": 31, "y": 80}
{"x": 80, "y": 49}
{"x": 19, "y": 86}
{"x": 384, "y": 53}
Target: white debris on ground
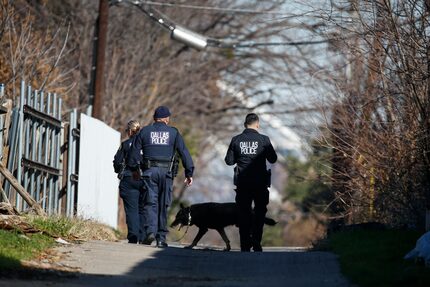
{"x": 61, "y": 241}
{"x": 421, "y": 250}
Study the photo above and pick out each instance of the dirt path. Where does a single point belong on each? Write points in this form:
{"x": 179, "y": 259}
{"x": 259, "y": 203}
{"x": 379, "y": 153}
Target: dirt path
{"x": 108, "y": 264}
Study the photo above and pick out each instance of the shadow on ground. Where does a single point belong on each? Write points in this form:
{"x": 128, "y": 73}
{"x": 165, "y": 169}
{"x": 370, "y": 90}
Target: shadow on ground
{"x": 106, "y": 264}
{"x": 7, "y": 263}
{"x": 12, "y": 270}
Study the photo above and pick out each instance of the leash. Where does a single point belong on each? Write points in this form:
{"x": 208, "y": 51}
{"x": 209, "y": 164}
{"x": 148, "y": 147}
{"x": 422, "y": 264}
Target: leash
{"x": 182, "y": 235}
{"x": 188, "y": 226}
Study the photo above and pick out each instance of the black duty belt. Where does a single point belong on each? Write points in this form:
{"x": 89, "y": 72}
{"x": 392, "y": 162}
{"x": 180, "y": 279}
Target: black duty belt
{"x": 155, "y": 163}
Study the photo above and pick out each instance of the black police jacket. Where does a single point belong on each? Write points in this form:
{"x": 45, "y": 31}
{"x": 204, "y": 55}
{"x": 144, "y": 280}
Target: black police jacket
{"x": 157, "y": 142}
{"x": 250, "y": 150}
{"x": 119, "y": 160}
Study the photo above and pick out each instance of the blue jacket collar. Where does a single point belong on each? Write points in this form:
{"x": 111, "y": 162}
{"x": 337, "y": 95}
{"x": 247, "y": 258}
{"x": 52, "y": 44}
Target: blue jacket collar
{"x": 159, "y": 123}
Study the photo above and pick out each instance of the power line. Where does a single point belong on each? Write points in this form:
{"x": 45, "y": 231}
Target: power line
{"x": 211, "y": 8}
{"x": 157, "y": 17}
{"x": 168, "y": 24}
{"x": 265, "y": 44}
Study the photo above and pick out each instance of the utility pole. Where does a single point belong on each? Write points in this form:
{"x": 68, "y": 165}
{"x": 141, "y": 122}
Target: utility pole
{"x": 98, "y": 83}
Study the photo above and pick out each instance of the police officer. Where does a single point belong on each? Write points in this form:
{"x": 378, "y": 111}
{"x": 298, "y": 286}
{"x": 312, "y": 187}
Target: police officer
{"x": 249, "y": 151}
{"x": 130, "y": 189}
{"x": 153, "y": 150}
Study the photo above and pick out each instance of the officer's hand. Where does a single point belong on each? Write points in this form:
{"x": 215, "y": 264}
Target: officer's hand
{"x": 188, "y": 181}
{"x": 136, "y": 175}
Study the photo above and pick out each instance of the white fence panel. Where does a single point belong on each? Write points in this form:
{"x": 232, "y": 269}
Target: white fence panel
{"x": 98, "y": 184}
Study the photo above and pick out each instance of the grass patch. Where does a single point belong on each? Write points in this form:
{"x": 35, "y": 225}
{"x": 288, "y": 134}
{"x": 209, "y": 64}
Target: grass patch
{"x": 73, "y": 228}
{"x": 55, "y": 226}
{"x": 272, "y": 235}
{"x": 375, "y": 258}
{"x": 15, "y": 247}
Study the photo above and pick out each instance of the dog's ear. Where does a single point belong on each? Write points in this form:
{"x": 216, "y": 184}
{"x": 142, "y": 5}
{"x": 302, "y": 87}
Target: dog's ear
{"x": 181, "y": 205}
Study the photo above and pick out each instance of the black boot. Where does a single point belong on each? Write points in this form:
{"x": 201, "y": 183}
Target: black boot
{"x": 149, "y": 239}
{"x": 257, "y": 248}
{"x": 132, "y": 239}
{"x": 162, "y": 244}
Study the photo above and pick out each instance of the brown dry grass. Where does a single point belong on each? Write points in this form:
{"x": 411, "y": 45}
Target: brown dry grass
{"x": 93, "y": 230}
{"x": 303, "y": 231}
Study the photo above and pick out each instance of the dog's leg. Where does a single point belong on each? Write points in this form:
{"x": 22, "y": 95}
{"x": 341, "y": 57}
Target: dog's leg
{"x": 202, "y": 231}
{"x": 221, "y": 231}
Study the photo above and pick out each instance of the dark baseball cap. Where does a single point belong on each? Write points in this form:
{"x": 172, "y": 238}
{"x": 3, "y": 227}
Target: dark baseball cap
{"x": 161, "y": 112}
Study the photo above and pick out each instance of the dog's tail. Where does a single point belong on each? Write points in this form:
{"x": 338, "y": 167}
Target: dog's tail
{"x": 269, "y": 221}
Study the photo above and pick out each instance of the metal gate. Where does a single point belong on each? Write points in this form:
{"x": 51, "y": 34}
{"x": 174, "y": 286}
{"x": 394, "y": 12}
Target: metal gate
{"x": 37, "y": 147}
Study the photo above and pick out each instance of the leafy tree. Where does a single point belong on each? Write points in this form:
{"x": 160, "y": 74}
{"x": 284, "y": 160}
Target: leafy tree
{"x": 308, "y": 181}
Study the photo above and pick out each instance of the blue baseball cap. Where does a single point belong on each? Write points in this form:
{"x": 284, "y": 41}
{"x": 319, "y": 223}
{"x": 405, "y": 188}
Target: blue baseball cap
{"x": 161, "y": 112}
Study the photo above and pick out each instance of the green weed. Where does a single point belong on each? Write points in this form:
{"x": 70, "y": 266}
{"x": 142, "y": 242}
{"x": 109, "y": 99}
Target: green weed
{"x": 15, "y": 247}
{"x": 375, "y": 258}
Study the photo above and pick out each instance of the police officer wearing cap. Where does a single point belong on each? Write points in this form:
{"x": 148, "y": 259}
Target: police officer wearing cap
{"x": 249, "y": 151}
{"x": 130, "y": 190}
{"x": 153, "y": 150}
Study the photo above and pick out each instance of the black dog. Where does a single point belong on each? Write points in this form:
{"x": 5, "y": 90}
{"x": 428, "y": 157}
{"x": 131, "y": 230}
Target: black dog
{"x": 210, "y": 216}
